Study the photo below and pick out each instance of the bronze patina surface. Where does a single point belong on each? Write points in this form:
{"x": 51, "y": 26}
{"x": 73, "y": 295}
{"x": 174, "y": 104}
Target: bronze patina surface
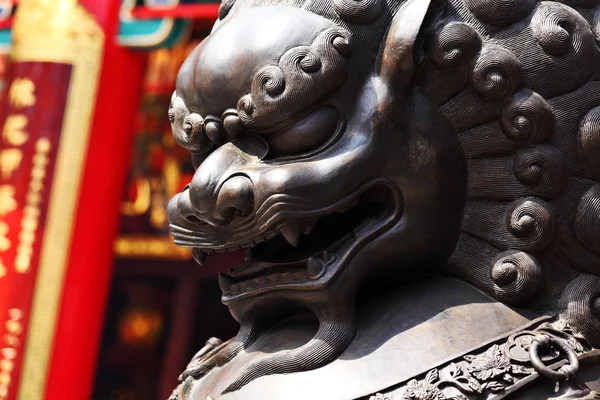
{"x": 367, "y": 153}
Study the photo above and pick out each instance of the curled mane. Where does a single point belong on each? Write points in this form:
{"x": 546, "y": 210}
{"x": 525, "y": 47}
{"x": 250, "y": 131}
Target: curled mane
{"x": 519, "y": 81}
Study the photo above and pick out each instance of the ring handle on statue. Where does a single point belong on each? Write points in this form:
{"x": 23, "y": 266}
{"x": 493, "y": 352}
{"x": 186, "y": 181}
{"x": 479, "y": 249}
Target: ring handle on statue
{"x": 565, "y": 372}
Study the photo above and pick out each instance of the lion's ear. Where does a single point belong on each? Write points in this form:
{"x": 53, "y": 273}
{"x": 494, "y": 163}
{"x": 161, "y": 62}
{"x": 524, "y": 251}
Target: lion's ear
{"x": 397, "y": 54}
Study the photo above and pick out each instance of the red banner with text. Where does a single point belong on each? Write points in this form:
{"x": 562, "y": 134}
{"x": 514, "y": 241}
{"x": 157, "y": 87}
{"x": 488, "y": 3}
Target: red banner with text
{"x": 31, "y": 119}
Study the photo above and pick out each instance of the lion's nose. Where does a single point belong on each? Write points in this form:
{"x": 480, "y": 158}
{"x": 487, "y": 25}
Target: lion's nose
{"x": 185, "y": 208}
{"x": 234, "y": 198}
{"x": 219, "y": 191}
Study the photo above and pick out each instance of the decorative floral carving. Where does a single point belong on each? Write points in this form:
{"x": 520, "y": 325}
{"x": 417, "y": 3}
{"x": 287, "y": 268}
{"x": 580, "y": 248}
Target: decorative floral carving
{"x": 461, "y": 380}
{"x": 491, "y": 364}
{"x": 431, "y": 388}
{"x": 425, "y": 389}
{"x": 494, "y": 367}
{"x": 500, "y": 366}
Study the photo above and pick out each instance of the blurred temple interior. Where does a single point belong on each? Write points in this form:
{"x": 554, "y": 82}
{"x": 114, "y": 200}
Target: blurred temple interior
{"x": 159, "y": 306}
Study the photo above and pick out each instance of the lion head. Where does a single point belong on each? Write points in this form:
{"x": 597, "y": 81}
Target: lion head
{"x": 314, "y": 154}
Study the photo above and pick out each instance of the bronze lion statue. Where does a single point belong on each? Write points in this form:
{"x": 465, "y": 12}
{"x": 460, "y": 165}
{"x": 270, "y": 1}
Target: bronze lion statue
{"x": 416, "y": 185}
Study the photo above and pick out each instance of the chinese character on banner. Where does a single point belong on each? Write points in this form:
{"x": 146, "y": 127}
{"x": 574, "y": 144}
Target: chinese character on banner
{"x": 4, "y": 241}
{"x": 10, "y": 159}
{"x": 21, "y": 93}
{"x": 7, "y": 199}
{"x": 14, "y": 129}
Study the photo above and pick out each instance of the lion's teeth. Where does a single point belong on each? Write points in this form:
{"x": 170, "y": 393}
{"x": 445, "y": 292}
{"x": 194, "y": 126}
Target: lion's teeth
{"x": 225, "y": 282}
{"x": 286, "y": 277}
{"x": 299, "y": 276}
{"x": 199, "y": 256}
{"x": 291, "y": 233}
{"x": 234, "y": 289}
{"x": 262, "y": 280}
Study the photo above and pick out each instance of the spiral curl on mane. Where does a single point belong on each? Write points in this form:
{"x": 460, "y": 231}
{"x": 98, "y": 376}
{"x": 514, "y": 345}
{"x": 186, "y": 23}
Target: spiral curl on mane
{"x": 589, "y": 141}
{"x": 555, "y": 29}
{"x": 496, "y": 73}
{"x": 501, "y": 13}
{"x": 532, "y": 221}
{"x": 342, "y": 45}
{"x": 271, "y": 81}
{"x": 527, "y": 224}
{"x": 333, "y": 42}
{"x": 516, "y": 276}
{"x": 528, "y": 117}
{"x": 303, "y": 75}
{"x": 453, "y": 43}
{"x": 587, "y": 220}
{"x": 308, "y": 60}
{"x": 359, "y": 11}
{"x": 543, "y": 168}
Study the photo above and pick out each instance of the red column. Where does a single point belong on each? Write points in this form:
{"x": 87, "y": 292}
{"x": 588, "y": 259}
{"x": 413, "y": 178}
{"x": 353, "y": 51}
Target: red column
{"x": 69, "y": 126}
{"x": 89, "y": 268}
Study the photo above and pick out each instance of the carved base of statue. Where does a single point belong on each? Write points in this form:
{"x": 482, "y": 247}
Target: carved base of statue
{"x": 416, "y": 184}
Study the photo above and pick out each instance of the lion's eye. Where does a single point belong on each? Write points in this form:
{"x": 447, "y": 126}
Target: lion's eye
{"x": 306, "y": 135}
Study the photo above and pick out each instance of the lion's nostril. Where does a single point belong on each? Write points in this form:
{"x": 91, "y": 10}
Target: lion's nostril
{"x": 193, "y": 219}
{"x": 235, "y": 198}
{"x": 185, "y": 208}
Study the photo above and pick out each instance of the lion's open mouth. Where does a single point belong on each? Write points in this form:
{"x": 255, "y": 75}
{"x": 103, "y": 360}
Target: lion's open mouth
{"x": 303, "y": 252}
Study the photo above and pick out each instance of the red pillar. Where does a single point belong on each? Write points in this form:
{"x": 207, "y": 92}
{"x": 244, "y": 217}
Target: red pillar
{"x": 59, "y": 210}
{"x": 89, "y": 268}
